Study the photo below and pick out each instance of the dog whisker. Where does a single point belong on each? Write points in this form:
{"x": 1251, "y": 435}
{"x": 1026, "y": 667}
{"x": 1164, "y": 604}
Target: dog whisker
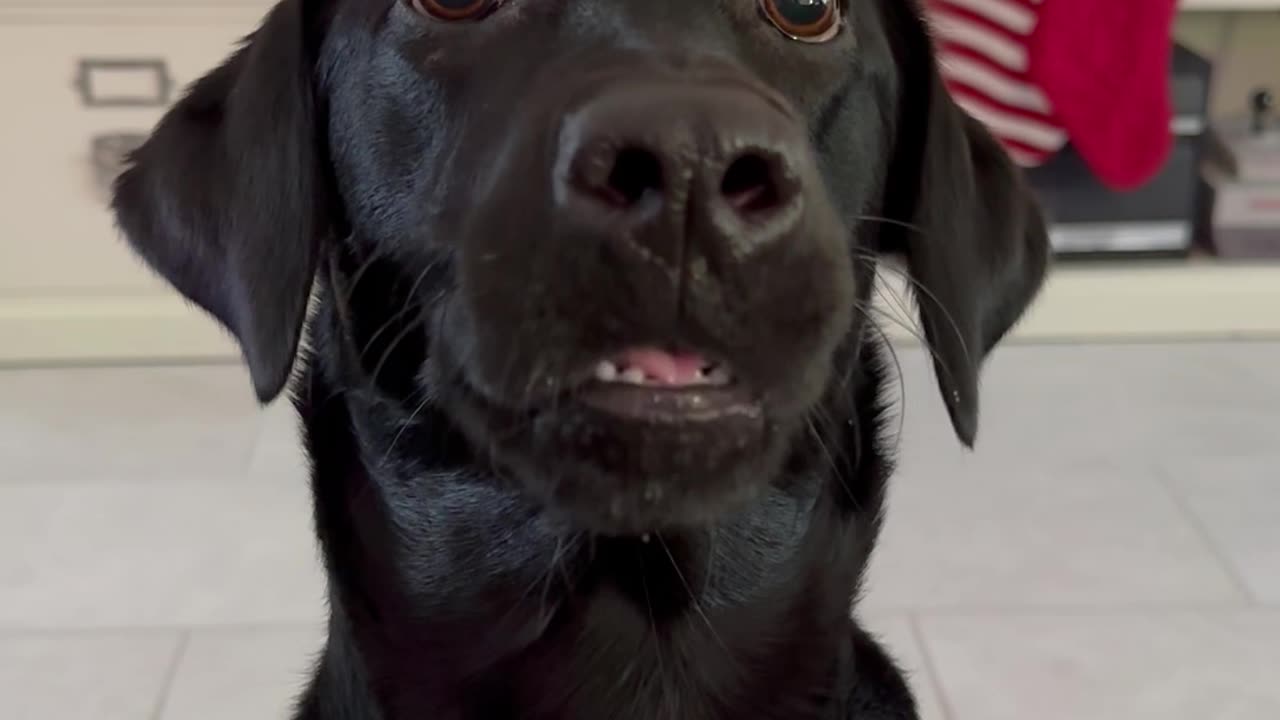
{"x": 897, "y": 302}
{"x": 564, "y": 545}
{"x": 656, "y": 639}
{"x": 836, "y": 471}
{"x": 921, "y": 292}
{"x": 549, "y": 574}
{"x": 409, "y": 422}
{"x": 901, "y": 400}
{"x": 890, "y": 221}
{"x": 413, "y": 416}
{"x": 359, "y": 275}
{"x": 400, "y": 337}
{"x": 709, "y": 574}
{"x": 694, "y": 601}
{"x": 535, "y": 294}
{"x": 410, "y": 303}
{"x": 870, "y": 312}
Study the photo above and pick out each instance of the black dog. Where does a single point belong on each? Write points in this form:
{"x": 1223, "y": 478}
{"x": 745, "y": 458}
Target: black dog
{"x": 592, "y": 389}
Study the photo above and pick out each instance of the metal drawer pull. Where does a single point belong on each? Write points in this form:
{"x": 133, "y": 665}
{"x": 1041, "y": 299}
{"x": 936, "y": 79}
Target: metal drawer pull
{"x": 110, "y": 82}
{"x": 107, "y": 153}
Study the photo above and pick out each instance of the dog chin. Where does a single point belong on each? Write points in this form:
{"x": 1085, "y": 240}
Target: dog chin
{"x": 606, "y": 471}
{"x": 624, "y": 476}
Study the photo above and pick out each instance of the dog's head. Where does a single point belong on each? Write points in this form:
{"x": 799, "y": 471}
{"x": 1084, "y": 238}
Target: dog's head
{"x": 637, "y": 236}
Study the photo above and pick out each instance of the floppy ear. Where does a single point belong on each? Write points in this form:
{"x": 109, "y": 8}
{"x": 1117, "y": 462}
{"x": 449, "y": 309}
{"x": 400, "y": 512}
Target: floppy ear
{"x": 971, "y": 231}
{"x": 227, "y": 198}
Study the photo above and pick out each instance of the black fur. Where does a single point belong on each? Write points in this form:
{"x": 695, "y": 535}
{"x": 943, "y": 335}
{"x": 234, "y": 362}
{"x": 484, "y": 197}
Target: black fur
{"x": 495, "y": 547}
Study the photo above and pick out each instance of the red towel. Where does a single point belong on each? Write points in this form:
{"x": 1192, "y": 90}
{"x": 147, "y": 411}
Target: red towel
{"x": 1040, "y": 73}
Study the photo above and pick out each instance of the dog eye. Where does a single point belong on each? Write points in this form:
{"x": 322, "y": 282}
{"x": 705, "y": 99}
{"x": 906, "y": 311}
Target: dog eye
{"x": 455, "y": 10}
{"x": 812, "y": 21}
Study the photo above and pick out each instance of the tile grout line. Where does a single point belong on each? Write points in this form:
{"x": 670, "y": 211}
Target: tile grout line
{"x": 255, "y": 449}
{"x": 171, "y": 675}
{"x": 179, "y": 627}
{"x": 318, "y": 623}
{"x": 1229, "y": 568}
{"x": 1125, "y": 609}
{"x": 930, "y": 667}
{"x": 958, "y": 611}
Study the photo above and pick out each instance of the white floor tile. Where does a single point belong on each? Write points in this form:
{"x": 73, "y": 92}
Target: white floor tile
{"x": 987, "y": 536}
{"x": 1068, "y": 403}
{"x": 898, "y": 635}
{"x": 1237, "y": 501}
{"x": 278, "y": 455}
{"x": 181, "y": 553}
{"x": 125, "y": 424}
{"x": 242, "y": 674}
{"x": 1128, "y": 494}
{"x": 84, "y": 676}
{"x": 1129, "y": 667}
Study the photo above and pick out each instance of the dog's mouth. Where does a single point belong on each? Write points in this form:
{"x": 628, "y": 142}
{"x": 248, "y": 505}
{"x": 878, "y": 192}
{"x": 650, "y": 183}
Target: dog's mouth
{"x": 640, "y": 440}
{"x": 654, "y": 367}
{"x": 650, "y": 384}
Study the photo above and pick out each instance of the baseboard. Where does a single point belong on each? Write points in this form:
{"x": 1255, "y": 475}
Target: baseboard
{"x": 1152, "y": 301}
{"x": 1101, "y": 302}
{"x": 156, "y": 328}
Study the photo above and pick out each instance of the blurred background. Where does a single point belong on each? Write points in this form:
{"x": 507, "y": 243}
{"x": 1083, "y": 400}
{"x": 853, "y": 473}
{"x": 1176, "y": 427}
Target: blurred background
{"x": 1110, "y": 551}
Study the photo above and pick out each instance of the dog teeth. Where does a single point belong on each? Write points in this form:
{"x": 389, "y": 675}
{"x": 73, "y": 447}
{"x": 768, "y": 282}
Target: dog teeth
{"x": 716, "y": 375}
{"x": 607, "y": 372}
{"x": 633, "y": 376}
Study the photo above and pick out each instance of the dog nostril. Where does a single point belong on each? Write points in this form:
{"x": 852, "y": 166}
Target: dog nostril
{"x": 636, "y": 173}
{"x": 750, "y": 185}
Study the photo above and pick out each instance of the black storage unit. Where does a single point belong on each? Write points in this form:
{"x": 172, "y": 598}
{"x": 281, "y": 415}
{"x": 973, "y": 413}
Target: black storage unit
{"x": 1088, "y": 219}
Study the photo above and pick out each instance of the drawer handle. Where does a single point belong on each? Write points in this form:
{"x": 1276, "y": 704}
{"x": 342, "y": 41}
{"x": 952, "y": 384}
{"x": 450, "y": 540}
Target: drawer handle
{"x": 112, "y": 82}
{"x": 108, "y": 152}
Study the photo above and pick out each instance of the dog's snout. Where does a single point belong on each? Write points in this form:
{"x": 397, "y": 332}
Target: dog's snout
{"x": 668, "y": 167}
{"x": 756, "y": 183}
{"x": 752, "y": 184}
{"x": 619, "y": 178}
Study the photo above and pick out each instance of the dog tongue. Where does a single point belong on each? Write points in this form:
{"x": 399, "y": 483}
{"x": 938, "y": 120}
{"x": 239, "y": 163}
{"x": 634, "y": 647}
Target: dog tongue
{"x": 664, "y": 367}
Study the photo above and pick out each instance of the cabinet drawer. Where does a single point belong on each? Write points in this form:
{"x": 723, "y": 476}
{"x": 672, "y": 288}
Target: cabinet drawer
{"x": 55, "y": 5}
{"x": 78, "y": 93}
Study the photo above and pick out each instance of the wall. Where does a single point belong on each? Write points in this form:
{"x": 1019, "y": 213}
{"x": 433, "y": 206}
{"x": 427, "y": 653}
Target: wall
{"x": 1245, "y": 49}
{"x": 70, "y": 292}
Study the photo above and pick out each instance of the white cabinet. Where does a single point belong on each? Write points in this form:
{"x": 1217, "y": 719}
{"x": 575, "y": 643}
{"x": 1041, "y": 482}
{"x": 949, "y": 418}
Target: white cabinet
{"x": 79, "y": 88}
{"x": 115, "y": 6}
{"x": 76, "y": 94}
{"x": 80, "y": 78}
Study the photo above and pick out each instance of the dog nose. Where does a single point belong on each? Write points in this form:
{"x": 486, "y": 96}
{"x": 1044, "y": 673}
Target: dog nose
{"x": 683, "y": 169}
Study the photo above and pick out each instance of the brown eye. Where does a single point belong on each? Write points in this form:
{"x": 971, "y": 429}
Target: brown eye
{"x": 455, "y": 10}
{"x": 804, "y": 20}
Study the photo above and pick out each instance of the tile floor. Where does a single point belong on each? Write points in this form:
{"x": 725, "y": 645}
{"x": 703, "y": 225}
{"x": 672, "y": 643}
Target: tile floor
{"x": 1111, "y": 552}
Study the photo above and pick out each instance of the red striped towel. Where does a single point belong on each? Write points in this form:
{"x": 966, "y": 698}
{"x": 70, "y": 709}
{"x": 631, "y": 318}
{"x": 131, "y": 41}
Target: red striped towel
{"x": 1040, "y": 73}
{"x": 984, "y": 51}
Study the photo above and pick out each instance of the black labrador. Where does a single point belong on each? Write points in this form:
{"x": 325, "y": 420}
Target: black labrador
{"x": 592, "y": 384}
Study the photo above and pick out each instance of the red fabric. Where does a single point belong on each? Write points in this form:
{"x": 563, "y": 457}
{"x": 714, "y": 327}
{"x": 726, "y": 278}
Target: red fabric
{"x": 1105, "y": 66}
{"x": 984, "y": 53}
{"x": 1041, "y": 72}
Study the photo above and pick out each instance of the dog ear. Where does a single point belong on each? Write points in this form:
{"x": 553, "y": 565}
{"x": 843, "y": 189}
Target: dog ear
{"x": 227, "y": 198}
{"x": 971, "y": 231}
